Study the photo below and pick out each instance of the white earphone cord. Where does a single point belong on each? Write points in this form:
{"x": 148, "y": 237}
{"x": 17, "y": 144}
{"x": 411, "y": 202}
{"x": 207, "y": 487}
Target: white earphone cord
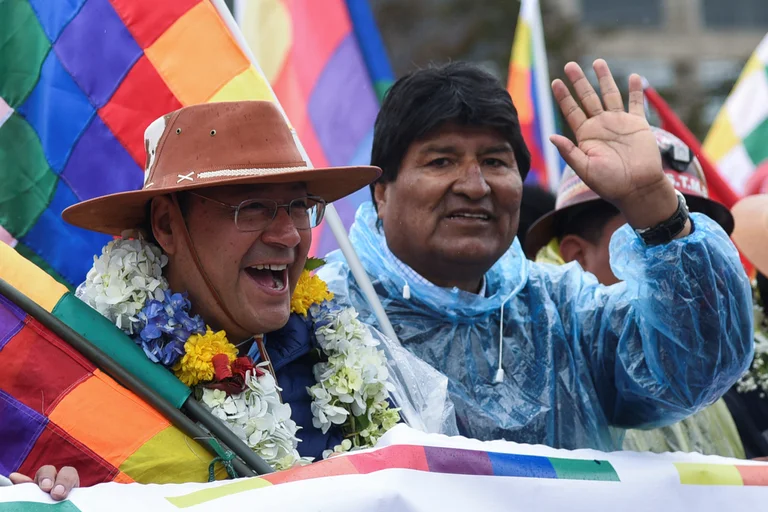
{"x": 499, "y": 377}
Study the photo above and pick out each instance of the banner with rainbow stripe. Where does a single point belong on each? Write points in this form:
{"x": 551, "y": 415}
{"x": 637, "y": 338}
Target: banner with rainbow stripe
{"x": 80, "y": 80}
{"x": 413, "y": 471}
{"x": 528, "y": 84}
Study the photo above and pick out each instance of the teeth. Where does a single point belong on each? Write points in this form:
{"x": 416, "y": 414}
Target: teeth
{"x": 270, "y": 267}
{"x": 472, "y": 215}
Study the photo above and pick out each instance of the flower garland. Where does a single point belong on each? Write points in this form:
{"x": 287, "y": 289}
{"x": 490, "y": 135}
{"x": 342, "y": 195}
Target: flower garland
{"x": 757, "y": 376}
{"x": 126, "y": 285}
{"x": 352, "y": 387}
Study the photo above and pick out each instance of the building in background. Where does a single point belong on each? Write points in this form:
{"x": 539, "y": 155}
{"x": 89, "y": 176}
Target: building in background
{"x": 690, "y": 50}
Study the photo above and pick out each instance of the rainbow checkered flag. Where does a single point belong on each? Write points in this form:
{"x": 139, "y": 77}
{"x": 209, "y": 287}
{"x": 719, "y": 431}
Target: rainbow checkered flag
{"x": 80, "y": 80}
{"x": 528, "y": 85}
{"x": 738, "y": 139}
{"x": 329, "y": 69}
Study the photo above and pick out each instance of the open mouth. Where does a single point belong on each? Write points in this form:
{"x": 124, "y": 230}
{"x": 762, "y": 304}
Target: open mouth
{"x": 273, "y": 278}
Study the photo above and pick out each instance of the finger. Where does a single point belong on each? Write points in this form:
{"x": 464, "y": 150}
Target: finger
{"x": 608, "y": 88}
{"x": 45, "y": 477}
{"x": 584, "y": 91}
{"x": 66, "y": 480}
{"x": 571, "y": 110}
{"x": 636, "y": 95}
{"x": 18, "y": 478}
{"x": 571, "y": 153}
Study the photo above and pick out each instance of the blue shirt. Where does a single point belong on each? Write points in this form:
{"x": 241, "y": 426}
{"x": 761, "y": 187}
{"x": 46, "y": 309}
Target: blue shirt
{"x": 291, "y": 350}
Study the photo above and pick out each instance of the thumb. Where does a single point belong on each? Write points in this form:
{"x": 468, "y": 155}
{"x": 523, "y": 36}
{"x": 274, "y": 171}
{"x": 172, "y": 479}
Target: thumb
{"x": 573, "y": 156}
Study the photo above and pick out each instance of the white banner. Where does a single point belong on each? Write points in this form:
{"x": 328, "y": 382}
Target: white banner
{"x": 412, "y": 471}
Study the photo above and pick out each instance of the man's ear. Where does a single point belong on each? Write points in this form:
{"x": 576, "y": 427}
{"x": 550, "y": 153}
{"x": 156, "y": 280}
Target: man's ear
{"x": 380, "y": 196}
{"x": 162, "y": 213}
{"x": 574, "y": 248}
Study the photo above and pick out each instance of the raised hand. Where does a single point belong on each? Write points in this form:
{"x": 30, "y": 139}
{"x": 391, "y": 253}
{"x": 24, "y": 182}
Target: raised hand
{"x": 616, "y": 153}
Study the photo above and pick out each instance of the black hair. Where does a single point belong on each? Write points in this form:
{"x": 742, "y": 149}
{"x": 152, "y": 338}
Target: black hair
{"x": 536, "y": 203}
{"x": 586, "y": 220}
{"x": 424, "y": 100}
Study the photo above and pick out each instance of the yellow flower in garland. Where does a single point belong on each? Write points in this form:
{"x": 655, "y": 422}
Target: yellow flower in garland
{"x": 196, "y": 364}
{"x": 310, "y": 290}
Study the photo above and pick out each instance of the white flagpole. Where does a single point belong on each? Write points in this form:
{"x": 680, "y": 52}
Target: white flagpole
{"x": 531, "y": 10}
{"x": 331, "y": 216}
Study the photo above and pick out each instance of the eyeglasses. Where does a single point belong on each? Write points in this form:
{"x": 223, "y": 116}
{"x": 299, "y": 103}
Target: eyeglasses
{"x": 257, "y": 214}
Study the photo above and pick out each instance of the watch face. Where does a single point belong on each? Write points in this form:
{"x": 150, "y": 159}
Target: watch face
{"x": 682, "y": 198}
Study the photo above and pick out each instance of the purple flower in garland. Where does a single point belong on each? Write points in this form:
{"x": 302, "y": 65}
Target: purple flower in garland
{"x": 164, "y": 327}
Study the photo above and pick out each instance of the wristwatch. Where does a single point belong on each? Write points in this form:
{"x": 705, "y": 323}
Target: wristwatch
{"x": 667, "y": 231}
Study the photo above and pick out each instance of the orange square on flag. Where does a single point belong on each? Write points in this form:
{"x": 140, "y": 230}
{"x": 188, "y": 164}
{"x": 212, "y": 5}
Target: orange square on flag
{"x": 107, "y": 418}
{"x": 197, "y": 55}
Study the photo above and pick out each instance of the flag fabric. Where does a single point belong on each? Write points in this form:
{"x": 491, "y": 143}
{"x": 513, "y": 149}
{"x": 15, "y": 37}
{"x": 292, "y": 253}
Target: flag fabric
{"x": 528, "y": 84}
{"x": 719, "y": 189}
{"x": 80, "y": 80}
{"x": 737, "y": 142}
{"x": 410, "y": 471}
{"x": 329, "y": 70}
{"x": 57, "y": 407}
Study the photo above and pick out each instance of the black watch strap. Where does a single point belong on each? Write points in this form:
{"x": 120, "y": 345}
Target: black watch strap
{"x": 667, "y": 231}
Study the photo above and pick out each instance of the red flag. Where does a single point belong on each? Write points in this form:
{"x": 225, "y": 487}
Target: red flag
{"x": 719, "y": 190}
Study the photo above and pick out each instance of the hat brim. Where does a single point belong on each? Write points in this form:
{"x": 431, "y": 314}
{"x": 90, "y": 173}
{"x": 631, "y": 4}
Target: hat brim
{"x": 751, "y": 232}
{"x": 115, "y": 213}
{"x": 542, "y": 231}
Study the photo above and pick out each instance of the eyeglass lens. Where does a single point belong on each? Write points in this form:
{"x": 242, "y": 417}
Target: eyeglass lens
{"x": 257, "y": 214}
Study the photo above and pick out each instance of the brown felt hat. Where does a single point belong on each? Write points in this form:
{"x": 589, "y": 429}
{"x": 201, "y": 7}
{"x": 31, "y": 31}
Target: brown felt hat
{"x": 681, "y": 168}
{"x": 751, "y": 232}
{"x": 212, "y": 145}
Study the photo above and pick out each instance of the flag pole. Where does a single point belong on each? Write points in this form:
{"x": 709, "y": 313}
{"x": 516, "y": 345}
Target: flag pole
{"x": 331, "y": 215}
{"x": 543, "y": 91}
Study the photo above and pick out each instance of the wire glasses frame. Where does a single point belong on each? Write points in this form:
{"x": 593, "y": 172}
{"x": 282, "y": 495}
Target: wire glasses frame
{"x": 257, "y": 214}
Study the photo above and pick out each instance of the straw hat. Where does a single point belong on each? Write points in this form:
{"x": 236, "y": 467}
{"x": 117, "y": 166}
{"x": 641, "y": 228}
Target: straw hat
{"x": 680, "y": 166}
{"x": 751, "y": 232}
{"x": 216, "y": 144}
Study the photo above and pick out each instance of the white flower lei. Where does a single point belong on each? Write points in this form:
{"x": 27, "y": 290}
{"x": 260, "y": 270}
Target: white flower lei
{"x": 352, "y": 386}
{"x": 352, "y": 389}
{"x": 127, "y": 273}
{"x": 259, "y": 419}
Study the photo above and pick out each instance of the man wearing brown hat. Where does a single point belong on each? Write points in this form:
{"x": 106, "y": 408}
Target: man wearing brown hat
{"x": 537, "y": 353}
{"x": 580, "y": 229}
{"x": 231, "y": 202}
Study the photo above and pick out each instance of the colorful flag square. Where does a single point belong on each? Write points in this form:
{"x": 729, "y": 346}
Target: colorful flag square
{"x": 97, "y": 50}
{"x": 58, "y": 111}
{"x": 196, "y": 63}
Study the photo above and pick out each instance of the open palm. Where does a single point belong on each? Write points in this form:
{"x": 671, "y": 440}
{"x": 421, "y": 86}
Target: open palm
{"x": 616, "y": 153}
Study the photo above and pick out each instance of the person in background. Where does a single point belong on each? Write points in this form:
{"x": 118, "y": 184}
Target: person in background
{"x": 580, "y": 230}
{"x": 747, "y": 400}
{"x": 535, "y": 203}
{"x": 537, "y": 353}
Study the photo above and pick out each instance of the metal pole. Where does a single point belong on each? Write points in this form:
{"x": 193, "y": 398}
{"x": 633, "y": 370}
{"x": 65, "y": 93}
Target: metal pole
{"x": 331, "y": 216}
{"x": 127, "y": 380}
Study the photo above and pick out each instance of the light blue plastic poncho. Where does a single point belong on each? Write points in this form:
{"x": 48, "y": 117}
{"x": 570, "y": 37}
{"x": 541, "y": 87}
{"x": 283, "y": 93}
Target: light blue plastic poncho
{"x": 579, "y": 358}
